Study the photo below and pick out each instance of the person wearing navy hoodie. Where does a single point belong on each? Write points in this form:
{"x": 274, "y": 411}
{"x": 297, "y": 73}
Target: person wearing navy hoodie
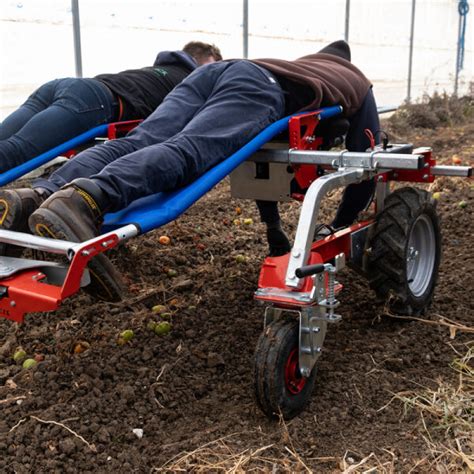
{"x": 64, "y": 108}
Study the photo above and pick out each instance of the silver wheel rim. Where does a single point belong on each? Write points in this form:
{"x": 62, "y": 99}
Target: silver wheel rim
{"x": 421, "y": 254}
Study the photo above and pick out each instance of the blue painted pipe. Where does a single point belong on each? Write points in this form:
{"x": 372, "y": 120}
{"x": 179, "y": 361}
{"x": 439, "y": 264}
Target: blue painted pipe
{"x": 39, "y": 160}
{"x": 154, "y": 211}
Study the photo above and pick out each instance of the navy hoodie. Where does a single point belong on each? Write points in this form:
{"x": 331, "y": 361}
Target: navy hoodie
{"x": 139, "y": 92}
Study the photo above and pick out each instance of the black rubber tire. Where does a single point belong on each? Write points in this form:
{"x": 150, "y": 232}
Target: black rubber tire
{"x": 274, "y": 347}
{"x": 106, "y": 283}
{"x": 389, "y": 250}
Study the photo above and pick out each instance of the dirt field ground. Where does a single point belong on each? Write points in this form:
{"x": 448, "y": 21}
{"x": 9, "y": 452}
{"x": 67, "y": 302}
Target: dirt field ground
{"x": 191, "y": 391}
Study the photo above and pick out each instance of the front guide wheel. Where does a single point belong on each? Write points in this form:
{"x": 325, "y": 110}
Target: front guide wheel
{"x": 279, "y": 386}
{"x": 406, "y": 251}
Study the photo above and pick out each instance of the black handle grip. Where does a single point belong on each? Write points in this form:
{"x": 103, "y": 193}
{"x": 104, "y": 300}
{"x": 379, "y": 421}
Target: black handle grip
{"x": 309, "y": 270}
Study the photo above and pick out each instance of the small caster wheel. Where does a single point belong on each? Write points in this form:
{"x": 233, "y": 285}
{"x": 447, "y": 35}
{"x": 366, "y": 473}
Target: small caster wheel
{"x": 279, "y": 386}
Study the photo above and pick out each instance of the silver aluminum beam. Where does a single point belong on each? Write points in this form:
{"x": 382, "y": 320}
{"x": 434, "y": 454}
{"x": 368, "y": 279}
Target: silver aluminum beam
{"x": 309, "y": 215}
{"x": 463, "y": 171}
{"x": 34, "y": 242}
{"x": 345, "y": 159}
{"x": 61, "y": 247}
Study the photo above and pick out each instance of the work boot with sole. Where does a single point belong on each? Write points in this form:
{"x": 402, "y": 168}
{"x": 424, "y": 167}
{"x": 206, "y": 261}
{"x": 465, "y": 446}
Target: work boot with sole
{"x": 16, "y": 205}
{"x": 72, "y": 214}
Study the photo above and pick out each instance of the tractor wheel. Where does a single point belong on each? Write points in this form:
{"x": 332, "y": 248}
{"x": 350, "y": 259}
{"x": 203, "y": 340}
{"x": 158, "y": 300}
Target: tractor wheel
{"x": 405, "y": 251}
{"x": 279, "y": 385}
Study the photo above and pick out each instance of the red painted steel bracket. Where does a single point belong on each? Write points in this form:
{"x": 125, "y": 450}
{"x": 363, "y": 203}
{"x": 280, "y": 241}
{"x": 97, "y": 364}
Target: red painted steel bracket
{"x": 301, "y": 130}
{"x": 273, "y": 272}
{"x": 27, "y": 291}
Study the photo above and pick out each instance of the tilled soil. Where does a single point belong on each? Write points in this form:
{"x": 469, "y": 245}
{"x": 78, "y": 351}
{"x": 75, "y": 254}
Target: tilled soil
{"x": 191, "y": 391}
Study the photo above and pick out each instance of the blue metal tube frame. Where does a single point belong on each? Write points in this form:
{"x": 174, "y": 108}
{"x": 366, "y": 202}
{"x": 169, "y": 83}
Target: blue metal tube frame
{"x": 39, "y": 160}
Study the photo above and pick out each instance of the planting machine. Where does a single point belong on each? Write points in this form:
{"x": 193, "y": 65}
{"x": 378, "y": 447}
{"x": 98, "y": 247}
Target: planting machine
{"x": 398, "y": 247}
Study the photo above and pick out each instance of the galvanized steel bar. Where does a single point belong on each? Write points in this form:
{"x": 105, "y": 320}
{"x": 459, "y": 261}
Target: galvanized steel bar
{"x": 410, "y": 56}
{"x": 347, "y": 20}
{"x": 246, "y": 29}
{"x": 309, "y": 216}
{"x": 462, "y": 171}
{"x": 377, "y": 160}
{"x": 76, "y": 26}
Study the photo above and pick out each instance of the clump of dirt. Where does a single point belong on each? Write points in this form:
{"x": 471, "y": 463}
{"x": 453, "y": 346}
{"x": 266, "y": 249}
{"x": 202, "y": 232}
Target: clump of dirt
{"x": 184, "y": 400}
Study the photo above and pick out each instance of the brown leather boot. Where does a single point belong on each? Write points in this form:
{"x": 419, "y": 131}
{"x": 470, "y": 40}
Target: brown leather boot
{"x": 73, "y": 214}
{"x": 16, "y": 205}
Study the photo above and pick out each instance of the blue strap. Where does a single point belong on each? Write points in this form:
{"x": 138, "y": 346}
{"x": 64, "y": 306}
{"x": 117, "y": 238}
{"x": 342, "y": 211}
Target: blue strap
{"x": 154, "y": 211}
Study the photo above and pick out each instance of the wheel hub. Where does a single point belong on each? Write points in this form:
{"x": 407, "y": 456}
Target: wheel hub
{"x": 421, "y": 254}
{"x": 294, "y": 381}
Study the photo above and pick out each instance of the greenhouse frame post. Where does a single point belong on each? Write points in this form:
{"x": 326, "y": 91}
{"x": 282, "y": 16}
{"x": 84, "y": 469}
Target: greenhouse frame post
{"x": 410, "y": 55}
{"x": 246, "y": 29}
{"x": 76, "y": 27}
{"x": 347, "y": 21}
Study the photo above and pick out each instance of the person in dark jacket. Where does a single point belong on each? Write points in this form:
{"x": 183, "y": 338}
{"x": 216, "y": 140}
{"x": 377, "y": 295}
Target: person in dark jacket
{"x": 206, "y": 118}
{"x": 64, "y": 108}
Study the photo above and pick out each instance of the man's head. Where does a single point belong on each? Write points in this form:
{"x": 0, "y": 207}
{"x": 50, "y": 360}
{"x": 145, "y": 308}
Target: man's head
{"x": 203, "y": 53}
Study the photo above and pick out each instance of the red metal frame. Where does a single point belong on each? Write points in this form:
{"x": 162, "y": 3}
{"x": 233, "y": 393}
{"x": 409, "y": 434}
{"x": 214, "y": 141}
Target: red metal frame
{"x": 120, "y": 129}
{"x": 27, "y": 292}
{"x": 273, "y": 272}
{"x": 114, "y": 130}
{"x": 416, "y": 176}
{"x": 302, "y": 130}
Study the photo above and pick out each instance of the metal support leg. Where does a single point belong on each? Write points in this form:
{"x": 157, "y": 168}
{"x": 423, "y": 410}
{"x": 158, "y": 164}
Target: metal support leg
{"x": 309, "y": 216}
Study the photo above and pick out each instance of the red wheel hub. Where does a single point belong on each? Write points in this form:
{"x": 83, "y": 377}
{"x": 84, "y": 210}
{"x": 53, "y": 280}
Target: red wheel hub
{"x": 294, "y": 381}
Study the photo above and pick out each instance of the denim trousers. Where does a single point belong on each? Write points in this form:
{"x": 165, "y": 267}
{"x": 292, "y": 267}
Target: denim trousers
{"x": 206, "y": 118}
{"x": 56, "y": 112}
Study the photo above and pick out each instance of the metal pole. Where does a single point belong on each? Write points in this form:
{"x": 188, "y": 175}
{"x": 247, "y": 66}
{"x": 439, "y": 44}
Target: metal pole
{"x": 76, "y": 27}
{"x": 346, "y": 27}
{"x": 246, "y": 28}
{"x": 410, "y": 56}
{"x": 458, "y": 57}
{"x": 456, "y": 77}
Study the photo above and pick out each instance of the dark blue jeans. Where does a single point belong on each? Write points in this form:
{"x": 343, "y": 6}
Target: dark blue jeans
{"x": 206, "y": 118}
{"x": 56, "y": 112}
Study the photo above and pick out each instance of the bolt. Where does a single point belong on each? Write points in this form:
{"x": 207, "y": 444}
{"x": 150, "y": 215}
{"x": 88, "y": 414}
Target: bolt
{"x": 395, "y": 175}
{"x": 318, "y": 349}
{"x": 12, "y": 304}
{"x": 85, "y": 253}
{"x": 296, "y": 254}
{"x": 104, "y": 244}
{"x": 316, "y": 329}
{"x": 305, "y": 372}
{"x": 425, "y": 177}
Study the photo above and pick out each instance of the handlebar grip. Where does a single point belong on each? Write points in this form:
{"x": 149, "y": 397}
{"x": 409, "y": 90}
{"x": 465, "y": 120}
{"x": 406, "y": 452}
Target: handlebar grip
{"x": 309, "y": 270}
